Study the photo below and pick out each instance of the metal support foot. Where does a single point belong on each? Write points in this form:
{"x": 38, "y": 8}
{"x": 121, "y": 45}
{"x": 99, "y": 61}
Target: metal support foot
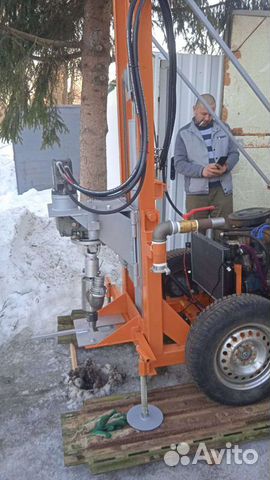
{"x": 144, "y": 417}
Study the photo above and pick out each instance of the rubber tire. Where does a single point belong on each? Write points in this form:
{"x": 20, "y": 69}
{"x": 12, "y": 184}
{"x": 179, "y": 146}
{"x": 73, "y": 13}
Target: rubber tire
{"x": 205, "y": 335}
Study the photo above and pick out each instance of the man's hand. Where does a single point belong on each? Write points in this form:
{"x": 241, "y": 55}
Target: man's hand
{"x": 212, "y": 170}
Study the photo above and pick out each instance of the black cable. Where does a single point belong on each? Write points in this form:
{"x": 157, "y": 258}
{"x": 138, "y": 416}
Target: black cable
{"x": 138, "y": 174}
{"x": 171, "y": 109}
{"x": 219, "y": 278}
{"x": 186, "y": 292}
{"x": 168, "y": 195}
{"x": 107, "y": 212}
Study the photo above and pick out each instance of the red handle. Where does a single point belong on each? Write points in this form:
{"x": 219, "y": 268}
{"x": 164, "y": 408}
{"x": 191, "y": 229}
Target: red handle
{"x": 192, "y": 212}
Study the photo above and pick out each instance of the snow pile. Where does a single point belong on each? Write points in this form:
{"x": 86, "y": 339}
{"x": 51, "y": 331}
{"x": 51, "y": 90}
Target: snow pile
{"x": 39, "y": 270}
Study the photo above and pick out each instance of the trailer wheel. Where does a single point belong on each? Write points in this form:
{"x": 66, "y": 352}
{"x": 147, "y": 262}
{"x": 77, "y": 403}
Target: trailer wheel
{"x": 228, "y": 350}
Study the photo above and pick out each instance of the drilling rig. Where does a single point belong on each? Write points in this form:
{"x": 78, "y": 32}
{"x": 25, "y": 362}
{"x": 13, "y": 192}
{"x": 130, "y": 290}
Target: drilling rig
{"x": 208, "y": 305}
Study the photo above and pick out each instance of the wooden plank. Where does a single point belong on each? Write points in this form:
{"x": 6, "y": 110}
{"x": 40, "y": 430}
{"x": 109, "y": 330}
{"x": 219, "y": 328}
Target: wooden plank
{"x": 73, "y": 355}
{"x": 189, "y": 416}
{"x": 109, "y": 461}
{"x": 65, "y": 322}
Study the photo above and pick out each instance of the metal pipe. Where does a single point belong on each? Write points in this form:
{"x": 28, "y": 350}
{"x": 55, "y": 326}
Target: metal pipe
{"x": 163, "y": 229}
{"x": 144, "y": 401}
{"x": 62, "y": 333}
{"x": 169, "y": 228}
{"x": 200, "y": 15}
{"x": 214, "y": 115}
{"x": 185, "y": 226}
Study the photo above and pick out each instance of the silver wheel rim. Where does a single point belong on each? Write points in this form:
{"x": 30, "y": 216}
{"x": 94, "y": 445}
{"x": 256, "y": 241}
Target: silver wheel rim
{"x": 242, "y": 361}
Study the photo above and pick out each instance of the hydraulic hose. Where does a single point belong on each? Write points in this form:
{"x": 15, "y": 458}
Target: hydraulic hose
{"x": 171, "y": 110}
{"x": 137, "y": 176}
{"x": 139, "y": 172}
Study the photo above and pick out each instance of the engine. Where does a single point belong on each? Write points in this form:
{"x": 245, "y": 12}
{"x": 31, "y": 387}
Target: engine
{"x": 245, "y": 243}
{"x": 211, "y": 265}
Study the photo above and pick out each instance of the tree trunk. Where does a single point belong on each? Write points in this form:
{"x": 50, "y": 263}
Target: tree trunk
{"x": 95, "y": 65}
{"x": 60, "y": 90}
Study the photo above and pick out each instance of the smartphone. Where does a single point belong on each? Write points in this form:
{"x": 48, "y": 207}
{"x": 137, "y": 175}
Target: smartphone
{"x": 221, "y": 161}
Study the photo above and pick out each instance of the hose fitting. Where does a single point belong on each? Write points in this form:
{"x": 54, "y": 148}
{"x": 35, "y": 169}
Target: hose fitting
{"x": 169, "y": 228}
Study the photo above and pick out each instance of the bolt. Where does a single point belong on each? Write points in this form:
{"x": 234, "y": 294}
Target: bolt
{"x": 152, "y": 216}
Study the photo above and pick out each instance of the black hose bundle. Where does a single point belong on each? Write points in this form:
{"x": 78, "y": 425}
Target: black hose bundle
{"x": 138, "y": 174}
{"x": 171, "y": 110}
{"x": 136, "y": 179}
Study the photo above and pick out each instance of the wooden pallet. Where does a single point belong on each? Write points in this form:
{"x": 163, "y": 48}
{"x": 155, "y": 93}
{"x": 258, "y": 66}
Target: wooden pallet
{"x": 65, "y": 322}
{"x": 189, "y": 416}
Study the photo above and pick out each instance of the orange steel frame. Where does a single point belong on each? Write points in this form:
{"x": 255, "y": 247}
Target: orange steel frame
{"x": 159, "y": 316}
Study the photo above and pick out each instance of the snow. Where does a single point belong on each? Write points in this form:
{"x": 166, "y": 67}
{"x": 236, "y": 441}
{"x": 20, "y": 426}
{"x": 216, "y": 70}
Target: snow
{"x": 39, "y": 270}
{"x": 40, "y": 279}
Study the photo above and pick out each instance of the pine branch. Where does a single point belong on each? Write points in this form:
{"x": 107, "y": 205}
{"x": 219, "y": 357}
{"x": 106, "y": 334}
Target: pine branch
{"x": 65, "y": 56}
{"x": 44, "y": 42}
{"x": 209, "y": 7}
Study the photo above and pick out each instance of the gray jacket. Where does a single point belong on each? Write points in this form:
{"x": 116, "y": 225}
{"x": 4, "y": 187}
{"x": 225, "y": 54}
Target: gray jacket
{"x": 191, "y": 156}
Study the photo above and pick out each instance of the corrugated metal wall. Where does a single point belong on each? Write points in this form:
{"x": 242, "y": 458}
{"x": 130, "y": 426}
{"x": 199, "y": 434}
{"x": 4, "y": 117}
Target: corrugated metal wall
{"x": 250, "y": 41}
{"x": 205, "y": 72}
{"x": 33, "y": 164}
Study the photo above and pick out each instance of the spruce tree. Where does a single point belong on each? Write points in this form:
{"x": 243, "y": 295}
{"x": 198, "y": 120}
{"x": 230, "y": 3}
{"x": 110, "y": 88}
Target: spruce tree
{"x": 39, "y": 39}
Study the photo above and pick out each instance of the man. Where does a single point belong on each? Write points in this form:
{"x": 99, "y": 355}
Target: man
{"x": 199, "y": 145}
